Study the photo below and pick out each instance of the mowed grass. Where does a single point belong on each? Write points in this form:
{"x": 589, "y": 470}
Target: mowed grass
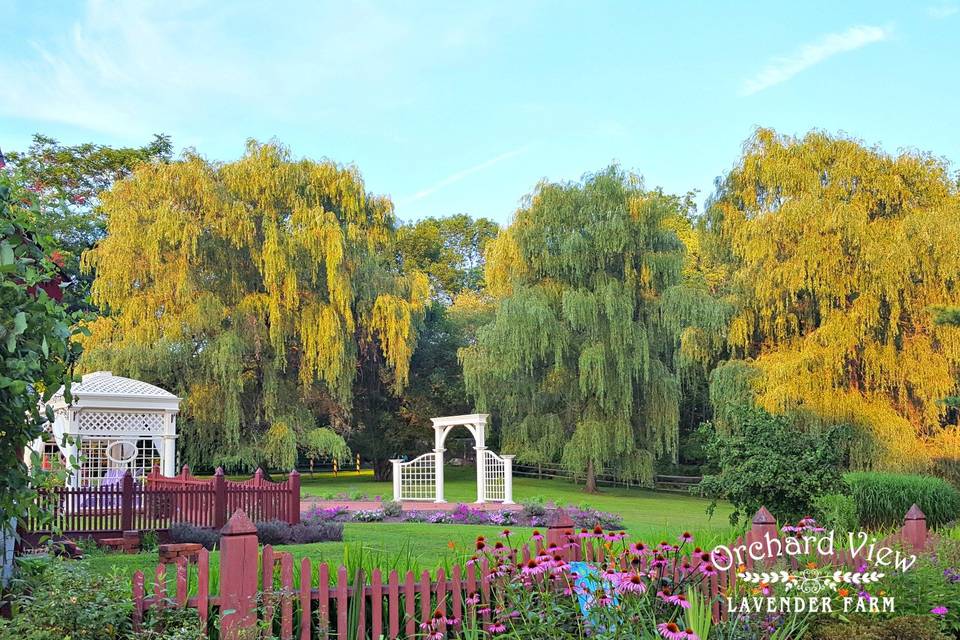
{"x": 647, "y": 515}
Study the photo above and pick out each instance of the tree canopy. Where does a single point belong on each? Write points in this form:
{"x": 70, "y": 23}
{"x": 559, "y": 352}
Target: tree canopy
{"x": 257, "y": 288}
{"x": 575, "y": 360}
{"x": 833, "y": 255}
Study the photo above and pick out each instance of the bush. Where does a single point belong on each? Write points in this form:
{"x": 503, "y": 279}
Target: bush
{"x": 392, "y": 509}
{"x": 185, "y": 532}
{"x": 305, "y": 532}
{"x": 883, "y": 499}
{"x": 766, "y": 461}
{"x": 368, "y": 515}
{"x": 837, "y": 512}
{"x": 867, "y": 628}
{"x": 57, "y": 599}
{"x": 534, "y": 507}
{"x": 273, "y": 532}
{"x": 317, "y": 514}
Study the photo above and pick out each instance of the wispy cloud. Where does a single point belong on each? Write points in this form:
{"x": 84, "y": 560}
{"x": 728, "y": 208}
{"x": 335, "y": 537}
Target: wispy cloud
{"x": 460, "y": 175}
{"x": 943, "y": 10}
{"x": 781, "y": 69}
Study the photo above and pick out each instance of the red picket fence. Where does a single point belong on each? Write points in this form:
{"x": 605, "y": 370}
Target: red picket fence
{"x": 159, "y": 502}
{"x": 390, "y": 606}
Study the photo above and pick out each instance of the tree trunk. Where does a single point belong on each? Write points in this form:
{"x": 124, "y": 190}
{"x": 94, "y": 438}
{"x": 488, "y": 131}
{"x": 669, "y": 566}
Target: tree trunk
{"x": 382, "y": 470}
{"x": 591, "y": 485}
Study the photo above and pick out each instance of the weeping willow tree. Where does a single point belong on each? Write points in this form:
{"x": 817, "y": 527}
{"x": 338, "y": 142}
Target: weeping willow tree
{"x": 256, "y": 288}
{"x": 834, "y": 254}
{"x": 575, "y": 359}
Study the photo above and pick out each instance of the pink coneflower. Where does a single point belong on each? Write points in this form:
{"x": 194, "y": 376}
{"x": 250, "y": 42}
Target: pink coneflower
{"x": 638, "y": 548}
{"x": 671, "y": 631}
{"x": 505, "y": 533}
{"x": 708, "y": 569}
{"x": 940, "y": 611}
{"x": 532, "y": 568}
{"x": 473, "y": 598}
{"x": 680, "y": 600}
{"x": 481, "y": 545}
{"x": 496, "y": 627}
{"x": 686, "y": 536}
{"x": 689, "y": 634}
{"x": 436, "y": 635}
{"x": 632, "y": 584}
{"x": 536, "y": 536}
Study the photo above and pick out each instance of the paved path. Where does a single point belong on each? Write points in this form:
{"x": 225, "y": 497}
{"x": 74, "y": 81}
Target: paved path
{"x": 408, "y": 505}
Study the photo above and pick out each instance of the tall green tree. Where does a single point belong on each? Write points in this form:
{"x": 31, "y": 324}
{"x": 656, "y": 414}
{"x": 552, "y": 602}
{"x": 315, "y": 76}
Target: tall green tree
{"x": 65, "y": 182}
{"x": 832, "y": 255}
{"x": 575, "y": 361}
{"x": 260, "y": 289}
{"x": 449, "y": 250}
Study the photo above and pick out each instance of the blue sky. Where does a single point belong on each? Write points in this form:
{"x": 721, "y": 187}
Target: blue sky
{"x": 464, "y": 106}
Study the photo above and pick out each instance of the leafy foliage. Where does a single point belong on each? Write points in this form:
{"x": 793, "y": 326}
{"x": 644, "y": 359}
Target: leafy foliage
{"x": 35, "y": 340}
{"x": 767, "y": 461}
{"x": 836, "y": 512}
{"x": 883, "y": 499}
{"x": 832, "y": 254}
{"x": 574, "y": 359}
{"x": 265, "y": 347}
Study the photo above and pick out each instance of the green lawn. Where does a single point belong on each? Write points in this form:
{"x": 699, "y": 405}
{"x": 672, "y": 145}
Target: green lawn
{"x": 648, "y": 515}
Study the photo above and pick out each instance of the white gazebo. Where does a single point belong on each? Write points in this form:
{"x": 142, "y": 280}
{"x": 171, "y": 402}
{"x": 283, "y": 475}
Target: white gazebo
{"x": 114, "y": 424}
{"x": 422, "y": 477}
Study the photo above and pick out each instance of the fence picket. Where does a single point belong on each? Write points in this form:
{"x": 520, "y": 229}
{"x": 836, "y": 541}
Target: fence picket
{"x": 286, "y": 597}
{"x": 181, "y": 582}
{"x": 393, "y": 604}
{"x": 409, "y": 599}
{"x": 323, "y": 606}
{"x": 342, "y": 602}
{"x": 138, "y": 595}
{"x": 376, "y": 603}
{"x": 306, "y": 582}
{"x": 203, "y": 586}
{"x": 266, "y": 573}
{"x": 457, "y": 603}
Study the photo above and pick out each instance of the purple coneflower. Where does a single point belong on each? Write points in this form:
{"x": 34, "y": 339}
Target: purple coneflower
{"x": 940, "y": 611}
{"x": 708, "y": 569}
{"x": 671, "y": 631}
{"x": 680, "y": 600}
{"x": 496, "y": 627}
{"x": 632, "y": 584}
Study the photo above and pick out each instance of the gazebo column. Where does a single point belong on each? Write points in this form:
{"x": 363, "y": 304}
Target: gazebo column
{"x": 397, "y": 487}
{"x": 71, "y": 452}
{"x": 438, "y": 475}
{"x": 169, "y": 457}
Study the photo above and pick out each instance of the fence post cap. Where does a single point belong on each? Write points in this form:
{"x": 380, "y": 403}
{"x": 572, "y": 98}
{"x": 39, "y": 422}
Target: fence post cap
{"x": 127, "y": 474}
{"x": 763, "y": 516}
{"x": 218, "y": 472}
{"x": 294, "y": 473}
{"x": 184, "y": 470}
{"x": 915, "y": 514}
{"x": 238, "y": 525}
{"x": 559, "y": 519}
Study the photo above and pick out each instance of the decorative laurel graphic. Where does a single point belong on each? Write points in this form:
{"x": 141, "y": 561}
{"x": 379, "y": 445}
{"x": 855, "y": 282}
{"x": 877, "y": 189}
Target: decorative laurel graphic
{"x": 810, "y": 581}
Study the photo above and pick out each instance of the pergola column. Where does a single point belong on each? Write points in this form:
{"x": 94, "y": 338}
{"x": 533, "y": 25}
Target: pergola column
{"x": 438, "y": 475}
{"x": 396, "y": 462}
{"x": 481, "y": 474}
{"x": 169, "y": 457}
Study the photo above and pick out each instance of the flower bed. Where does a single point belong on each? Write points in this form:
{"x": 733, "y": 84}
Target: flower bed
{"x": 534, "y": 515}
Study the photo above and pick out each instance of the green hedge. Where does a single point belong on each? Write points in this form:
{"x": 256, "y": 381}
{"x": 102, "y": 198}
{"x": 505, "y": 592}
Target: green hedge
{"x": 883, "y": 499}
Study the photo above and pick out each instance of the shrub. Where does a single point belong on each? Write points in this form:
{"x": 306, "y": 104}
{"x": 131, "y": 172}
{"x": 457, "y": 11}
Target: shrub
{"x": 273, "y": 532}
{"x": 304, "y": 532}
{"x": 836, "y": 511}
{"x": 149, "y": 541}
{"x": 766, "y": 461}
{"x": 317, "y": 514}
{"x": 185, "y": 532}
{"x": 883, "y": 499}
{"x": 586, "y": 517}
{"x": 534, "y": 507}
{"x": 869, "y": 628}
{"x": 59, "y": 599}
{"x": 368, "y": 515}
{"x": 392, "y": 508}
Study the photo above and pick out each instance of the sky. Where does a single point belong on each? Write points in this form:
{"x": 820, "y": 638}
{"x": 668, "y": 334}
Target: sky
{"x": 451, "y": 107}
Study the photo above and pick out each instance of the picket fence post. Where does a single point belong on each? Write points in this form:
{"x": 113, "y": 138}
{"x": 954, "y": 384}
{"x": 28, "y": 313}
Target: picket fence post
{"x": 293, "y": 486}
{"x": 559, "y": 527}
{"x": 914, "y": 530}
{"x": 239, "y": 565}
{"x": 126, "y": 502}
{"x": 219, "y": 499}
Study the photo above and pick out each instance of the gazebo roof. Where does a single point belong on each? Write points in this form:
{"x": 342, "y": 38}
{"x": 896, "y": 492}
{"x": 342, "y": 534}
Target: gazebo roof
{"x": 104, "y": 390}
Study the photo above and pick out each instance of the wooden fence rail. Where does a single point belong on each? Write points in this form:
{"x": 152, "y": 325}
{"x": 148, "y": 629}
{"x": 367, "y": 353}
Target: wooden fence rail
{"x": 158, "y": 502}
{"x": 391, "y": 605}
{"x": 679, "y": 484}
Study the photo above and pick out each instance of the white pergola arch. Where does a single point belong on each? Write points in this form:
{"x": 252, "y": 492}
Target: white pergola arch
{"x": 115, "y": 424}
{"x": 422, "y": 477}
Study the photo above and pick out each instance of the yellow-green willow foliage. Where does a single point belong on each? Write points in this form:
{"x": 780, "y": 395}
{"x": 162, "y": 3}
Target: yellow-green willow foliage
{"x": 835, "y": 254}
{"x": 575, "y": 360}
{"x": 256, "y": 287}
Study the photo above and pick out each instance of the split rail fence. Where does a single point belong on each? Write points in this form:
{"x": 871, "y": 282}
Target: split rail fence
{"x": 345, "y": 607}
{"x": 157, "y": 502}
